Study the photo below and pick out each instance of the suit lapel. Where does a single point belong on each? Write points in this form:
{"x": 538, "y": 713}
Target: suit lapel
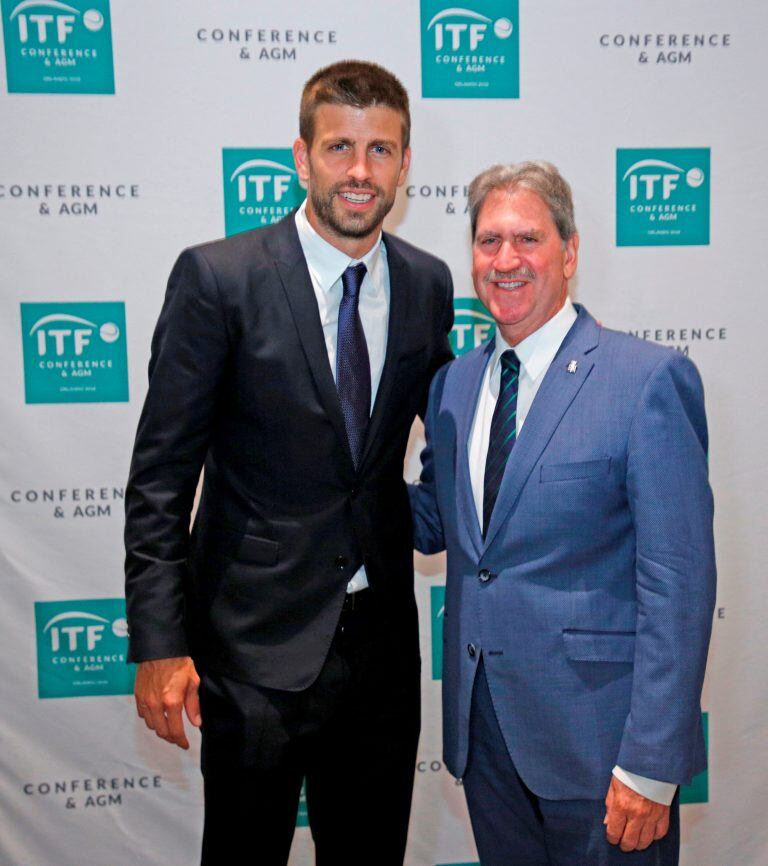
{"x": 468, "y": 395}
{"x": 399, "y": 284}
{"x": 297, "y": 284}
{"x": 557, "y": 392}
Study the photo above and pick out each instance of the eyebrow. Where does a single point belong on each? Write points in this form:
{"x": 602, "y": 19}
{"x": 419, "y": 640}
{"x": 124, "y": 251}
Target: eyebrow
{"x": 341, "y": 139}
{"x": 492, "y": 233}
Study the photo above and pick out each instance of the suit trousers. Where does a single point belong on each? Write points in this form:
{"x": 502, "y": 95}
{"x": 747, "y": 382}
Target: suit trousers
{"x": 352, "y": 735}
{"x": 515, "y": 827}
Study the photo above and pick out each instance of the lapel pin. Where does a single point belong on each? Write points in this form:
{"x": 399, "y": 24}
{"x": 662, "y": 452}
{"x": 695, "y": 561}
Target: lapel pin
{"x": 572, "y": 367}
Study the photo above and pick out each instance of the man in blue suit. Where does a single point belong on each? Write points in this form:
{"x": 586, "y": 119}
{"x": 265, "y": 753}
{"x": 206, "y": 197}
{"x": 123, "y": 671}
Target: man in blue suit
{"x": 565, "y": 473}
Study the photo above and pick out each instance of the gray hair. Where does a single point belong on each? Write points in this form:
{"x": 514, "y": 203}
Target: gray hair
{"x": 539, "y": 177}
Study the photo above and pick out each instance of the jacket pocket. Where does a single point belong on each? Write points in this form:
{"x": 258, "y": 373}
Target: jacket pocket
{"x": 599, "y": 646}
{"x": 574, "y": 471}
{"x": 244, "y": 548}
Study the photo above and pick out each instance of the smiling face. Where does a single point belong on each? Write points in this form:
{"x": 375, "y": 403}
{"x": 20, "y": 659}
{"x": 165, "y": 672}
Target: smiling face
{"x": 352, "y": 170}
{"x": 520, "y": 265}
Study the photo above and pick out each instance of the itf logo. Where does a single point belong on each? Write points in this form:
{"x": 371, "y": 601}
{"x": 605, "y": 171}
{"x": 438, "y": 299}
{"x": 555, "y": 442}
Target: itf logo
{"x": 75, "y": 353}
{"x": 662, "y": 197}
{"x": 437, "y": 601}
{"x": 470, "y": 51}
{"x": 472, "y": 325}
{"x": 698, "y": 790}
{"x": 82, "y": 648}
{"x": 55, "y": 47}
{"x": 260, "y": 187}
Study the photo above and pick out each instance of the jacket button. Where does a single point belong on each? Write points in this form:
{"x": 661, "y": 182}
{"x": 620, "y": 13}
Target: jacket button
{"x": 484, "y": 575}
{"x": 341, "y": 562}
{"x": 471, "y": 650}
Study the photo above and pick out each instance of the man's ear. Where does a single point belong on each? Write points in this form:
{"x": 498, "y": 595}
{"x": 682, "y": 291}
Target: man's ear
{"x": 571, "y": 257}
{"x": 405, "y": 166}
{"x": 301, "y": 158}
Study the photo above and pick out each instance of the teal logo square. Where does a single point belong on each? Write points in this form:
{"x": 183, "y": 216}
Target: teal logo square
{"x": 437, "y": 604}
{"x": 82, "y": 648}
{"x": 75, "y": 353}
{"x": 58, "y": 47}
{"x": 471, "y": 51}
{"x": 698, "y": 790}
{"x": 473, "y": 325}
{"x": 261, "y": 186}
{"x": 662, "y": 196}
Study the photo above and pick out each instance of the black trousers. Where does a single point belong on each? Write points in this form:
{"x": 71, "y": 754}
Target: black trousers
{"x": 352, "y": 735}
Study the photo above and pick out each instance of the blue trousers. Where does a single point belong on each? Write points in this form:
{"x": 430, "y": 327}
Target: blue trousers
{"x": 514, "y": 827}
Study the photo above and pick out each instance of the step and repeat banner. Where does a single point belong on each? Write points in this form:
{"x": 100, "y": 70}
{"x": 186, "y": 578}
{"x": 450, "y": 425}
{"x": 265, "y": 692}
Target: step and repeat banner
{"x": 130, "y": 129}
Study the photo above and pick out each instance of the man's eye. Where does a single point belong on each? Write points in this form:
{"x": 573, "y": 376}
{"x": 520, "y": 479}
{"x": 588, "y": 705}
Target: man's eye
{"x": 380, "y": 149}
{"x": 340, "y": 145}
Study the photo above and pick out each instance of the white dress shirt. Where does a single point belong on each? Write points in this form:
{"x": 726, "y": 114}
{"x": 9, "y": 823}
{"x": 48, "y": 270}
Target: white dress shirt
{"x": 536, "y": 352}
{"x": 326, "y": 264}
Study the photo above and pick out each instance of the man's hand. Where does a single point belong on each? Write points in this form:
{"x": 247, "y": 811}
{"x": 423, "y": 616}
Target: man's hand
{"x": 163, "y": 687}
{"x": 632, "y": 821}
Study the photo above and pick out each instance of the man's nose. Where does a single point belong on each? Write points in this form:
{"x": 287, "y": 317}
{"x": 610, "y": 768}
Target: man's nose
{"x": 507, "y": 257}
{"x": 359, "y": 169}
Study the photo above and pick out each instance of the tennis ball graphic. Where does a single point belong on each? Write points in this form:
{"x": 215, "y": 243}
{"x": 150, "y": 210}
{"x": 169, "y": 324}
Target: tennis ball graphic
{"x": 93, "y": 19}
{"x": 503, "y": 28}
{"x": 109, "y": 332}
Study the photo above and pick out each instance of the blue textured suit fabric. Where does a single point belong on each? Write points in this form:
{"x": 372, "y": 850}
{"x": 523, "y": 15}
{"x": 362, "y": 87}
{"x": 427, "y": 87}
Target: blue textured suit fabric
{"x": 512, "y": 827}
{"x": 594, "y": 623}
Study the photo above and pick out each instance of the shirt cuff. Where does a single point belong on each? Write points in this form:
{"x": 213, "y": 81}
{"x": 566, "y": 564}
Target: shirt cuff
{"x": 651, "y": 789}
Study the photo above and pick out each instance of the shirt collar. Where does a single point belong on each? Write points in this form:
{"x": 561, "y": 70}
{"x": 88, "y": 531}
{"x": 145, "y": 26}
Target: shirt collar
{"x": 326, "y": 263}
{"x": 537, "y": 351}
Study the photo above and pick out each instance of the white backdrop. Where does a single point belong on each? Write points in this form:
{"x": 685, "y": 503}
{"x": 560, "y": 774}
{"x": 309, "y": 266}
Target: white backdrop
{"x": 82, "y": 782}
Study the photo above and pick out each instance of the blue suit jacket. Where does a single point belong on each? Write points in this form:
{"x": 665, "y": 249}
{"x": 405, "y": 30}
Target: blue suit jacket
{"x": 595, "y": 621}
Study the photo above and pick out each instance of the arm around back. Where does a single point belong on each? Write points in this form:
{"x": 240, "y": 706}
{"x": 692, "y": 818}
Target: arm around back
{"x": 427, "y": 522}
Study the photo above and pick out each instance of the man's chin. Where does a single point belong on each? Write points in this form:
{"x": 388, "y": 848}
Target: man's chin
{"x": 354, "y": 225}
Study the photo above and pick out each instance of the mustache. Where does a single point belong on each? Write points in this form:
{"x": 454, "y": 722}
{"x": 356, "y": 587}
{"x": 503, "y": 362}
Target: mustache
{"x": 510, "y": 276}
{"x": 356, "y": 185}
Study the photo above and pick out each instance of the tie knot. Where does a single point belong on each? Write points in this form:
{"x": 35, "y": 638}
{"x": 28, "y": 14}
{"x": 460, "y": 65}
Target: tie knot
{"x": 510, "y": 363}
{"x": 352, "y": 279}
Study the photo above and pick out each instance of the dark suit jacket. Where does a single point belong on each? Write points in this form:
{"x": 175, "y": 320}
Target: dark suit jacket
{"x": 239, "y": 381}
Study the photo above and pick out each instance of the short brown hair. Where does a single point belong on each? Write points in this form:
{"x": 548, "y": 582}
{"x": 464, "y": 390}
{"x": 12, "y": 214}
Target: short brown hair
{"x": 356, "y": 83}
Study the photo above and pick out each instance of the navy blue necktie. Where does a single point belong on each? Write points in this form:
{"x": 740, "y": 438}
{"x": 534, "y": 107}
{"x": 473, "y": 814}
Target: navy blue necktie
{"x": 503, "y": 433}
{"x": 353, "y": 369}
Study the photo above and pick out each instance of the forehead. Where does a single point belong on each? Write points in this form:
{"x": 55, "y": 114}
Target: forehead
{"x": 519, "y": 208}
{"x": 346, "y": 121}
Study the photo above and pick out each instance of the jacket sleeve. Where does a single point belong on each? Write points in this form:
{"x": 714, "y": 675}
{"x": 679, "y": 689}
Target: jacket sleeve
{"x": 428, "y": 534}
{"x": 672, "y": 509}
{"x": 443, "y": 352}
{"x": 189, "y": 354}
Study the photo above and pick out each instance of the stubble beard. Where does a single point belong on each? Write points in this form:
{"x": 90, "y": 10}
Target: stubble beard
{"x": 349, "y": 224}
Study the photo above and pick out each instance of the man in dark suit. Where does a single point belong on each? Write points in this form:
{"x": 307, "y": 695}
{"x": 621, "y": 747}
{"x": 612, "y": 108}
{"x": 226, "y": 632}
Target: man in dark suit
{"x": 290, "y": 361}
{"x": 565, "y": 474}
